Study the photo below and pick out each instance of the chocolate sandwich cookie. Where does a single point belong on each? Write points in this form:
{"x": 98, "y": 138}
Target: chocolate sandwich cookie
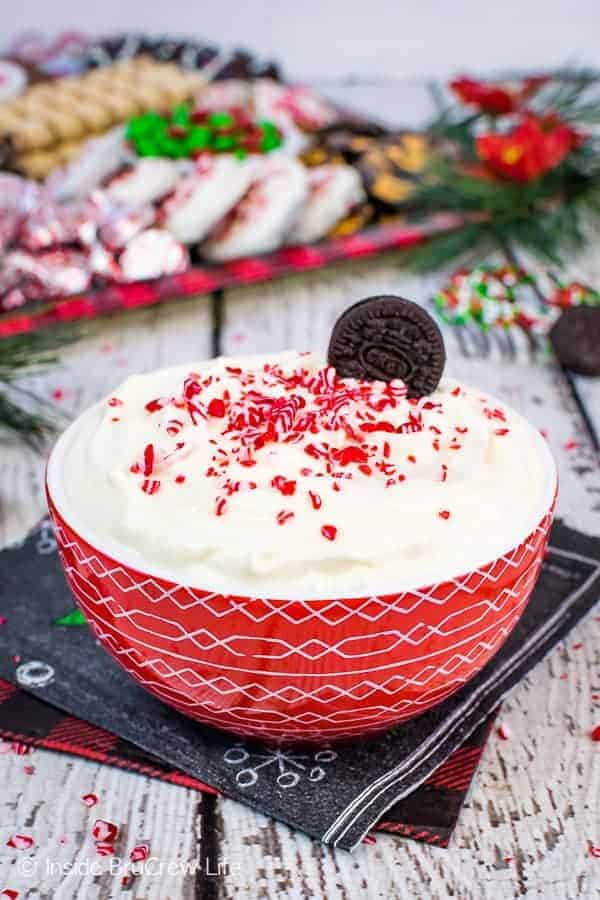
{"x": 575, "y": 337}
{"x": 387, "y": 337}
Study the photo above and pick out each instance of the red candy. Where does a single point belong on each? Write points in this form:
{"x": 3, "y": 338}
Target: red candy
{"x": 329, "y": 532}
{"x": 315, "y": 500}
{"x": 287, "y": 488}
{"x": 140, "y": 853}
{"x": 20, "y": 842}
{"x": 284, "y": 516}
{"x": 104, "y": 848}
{"x": 54, "y": 248}
{"x": 104, "y": 831}
{"x": 216, "y": 408}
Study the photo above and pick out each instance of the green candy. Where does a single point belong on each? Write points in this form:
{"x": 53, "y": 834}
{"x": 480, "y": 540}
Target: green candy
{"x": 224, "y": 142}
{"x": 220, "y": 120}
{"x": 270, "y": 142}
{"x": 74, "y": 617}
{"x": 146, "y": 147}
{"x": 198, "y": 138}
{"x": 181, "y": 115}
{"x": 150, "y": 135}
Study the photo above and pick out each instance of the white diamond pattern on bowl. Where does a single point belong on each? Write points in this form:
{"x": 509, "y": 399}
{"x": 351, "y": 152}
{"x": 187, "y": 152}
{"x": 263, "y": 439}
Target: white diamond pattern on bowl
{"x": 308, "y": 669}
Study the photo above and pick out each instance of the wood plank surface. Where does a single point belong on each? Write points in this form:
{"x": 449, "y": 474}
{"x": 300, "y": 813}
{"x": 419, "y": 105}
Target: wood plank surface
{"x": 533, "y": 812}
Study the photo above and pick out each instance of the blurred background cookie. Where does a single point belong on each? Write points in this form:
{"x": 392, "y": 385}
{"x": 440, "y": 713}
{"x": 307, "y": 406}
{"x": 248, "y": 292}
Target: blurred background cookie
{"x": 47, "y": 120}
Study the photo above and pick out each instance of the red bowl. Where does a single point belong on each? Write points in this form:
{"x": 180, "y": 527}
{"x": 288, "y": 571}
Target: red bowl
{"x": 289, "y": 669}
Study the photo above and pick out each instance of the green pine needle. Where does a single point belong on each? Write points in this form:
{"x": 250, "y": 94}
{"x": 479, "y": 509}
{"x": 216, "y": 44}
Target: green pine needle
{"x": 23, "y": 414}
{"x": 545, "y": 216}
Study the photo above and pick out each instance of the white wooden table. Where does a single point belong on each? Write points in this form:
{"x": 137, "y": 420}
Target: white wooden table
{"x": 533, "y": 812}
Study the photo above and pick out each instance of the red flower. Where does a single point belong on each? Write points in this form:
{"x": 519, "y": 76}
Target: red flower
{"x": 496, "y": 99}
{"x": 531, "y": 149}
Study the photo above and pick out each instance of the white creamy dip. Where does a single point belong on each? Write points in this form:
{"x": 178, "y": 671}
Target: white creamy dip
{"x": 271, "y": 476}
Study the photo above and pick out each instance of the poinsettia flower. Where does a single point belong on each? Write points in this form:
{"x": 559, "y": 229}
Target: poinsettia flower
{"x": 496, "y": 98}
{"x": 532, "y": 148}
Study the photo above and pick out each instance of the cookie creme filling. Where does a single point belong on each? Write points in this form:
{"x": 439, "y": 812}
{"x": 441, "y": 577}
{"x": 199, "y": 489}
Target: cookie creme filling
{"x": 271, "y": 476}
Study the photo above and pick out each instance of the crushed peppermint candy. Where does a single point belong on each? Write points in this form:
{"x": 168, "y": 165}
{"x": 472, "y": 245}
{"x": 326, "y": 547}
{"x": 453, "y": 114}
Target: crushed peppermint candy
{"x": 329, "y": 532}
{"x": 276, "y": 466}
{"x": 140, "y": 852}
{"x": 20, "y": 749}
{"x": 89, "y": 799}
{"x": 104, "y": 831}
{"x": 315, "y": 500}
{"x": 20, "y": 842}
{"x": 104, "y": 848}
{"x": 345, "y": 426}
{"x": 503, "y": 731}
{"x": 284, "y": 516}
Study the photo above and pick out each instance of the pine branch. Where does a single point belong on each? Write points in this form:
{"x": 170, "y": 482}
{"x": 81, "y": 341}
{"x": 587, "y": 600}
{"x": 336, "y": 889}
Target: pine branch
{"x": 546, "y": 216}
{"x": 33, "y": 426}
{"x": 462, "y": 245}
{"x": 31, "y": 352}
{"x": 23, "y": 414}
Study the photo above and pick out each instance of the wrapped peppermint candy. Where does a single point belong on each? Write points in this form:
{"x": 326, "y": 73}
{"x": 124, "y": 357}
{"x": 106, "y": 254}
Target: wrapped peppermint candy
{"x": 51, "y": 273}
{"x": 149, "y": 180}
{"x": 47, "y": 226}
{"x": 18, "y": 198}
{"x": 151, "y": 254}
{"x": 333, "y": 192}
{"x": 259, "y": 223}
{"x": 102, "y": 264}
{"x": 205, "y": 196}
{"x": 12, "y": 299}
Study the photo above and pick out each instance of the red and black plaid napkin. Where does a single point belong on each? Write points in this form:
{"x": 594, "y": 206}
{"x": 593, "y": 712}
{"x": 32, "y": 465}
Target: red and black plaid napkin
{"x": 428, "y": 815}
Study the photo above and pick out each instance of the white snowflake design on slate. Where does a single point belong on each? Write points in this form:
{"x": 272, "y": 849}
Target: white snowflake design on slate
{"x": 35, "y": 674}
{"x": 46, "y": 542}
{"x": 291, "y": 768}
